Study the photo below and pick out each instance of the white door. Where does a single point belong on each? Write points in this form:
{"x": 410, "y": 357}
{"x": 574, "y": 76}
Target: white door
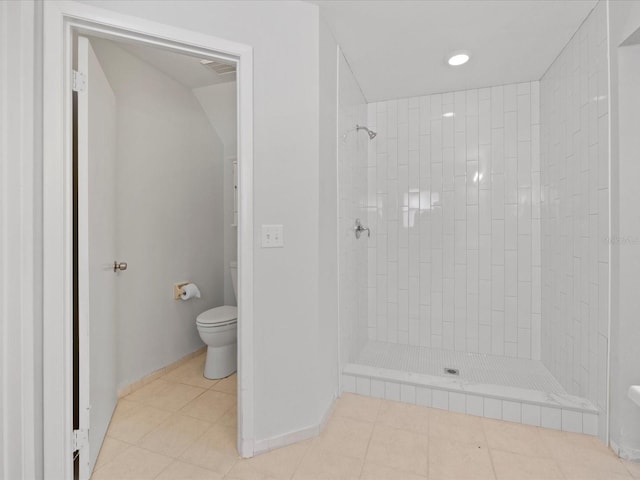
{"x": 96, "y": 141}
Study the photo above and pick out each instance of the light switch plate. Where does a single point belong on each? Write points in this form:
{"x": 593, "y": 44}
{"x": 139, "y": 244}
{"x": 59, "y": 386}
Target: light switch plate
{"x": 272, "y": 236}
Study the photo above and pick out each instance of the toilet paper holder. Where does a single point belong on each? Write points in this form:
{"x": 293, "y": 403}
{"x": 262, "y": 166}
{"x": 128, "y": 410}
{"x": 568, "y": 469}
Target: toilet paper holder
{"x": 177, "y": 289}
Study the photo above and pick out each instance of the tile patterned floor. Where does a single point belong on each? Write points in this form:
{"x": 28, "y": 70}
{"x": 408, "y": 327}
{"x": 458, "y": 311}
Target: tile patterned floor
{"x": 182, "y": 426}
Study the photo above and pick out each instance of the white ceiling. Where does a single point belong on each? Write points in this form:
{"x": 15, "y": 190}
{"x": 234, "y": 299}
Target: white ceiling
{"x": 182, "y": 68}
{"x": 398, "y": 48}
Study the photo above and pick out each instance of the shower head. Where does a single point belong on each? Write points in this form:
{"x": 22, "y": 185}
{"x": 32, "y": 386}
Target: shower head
{"x": 371, "y": 133}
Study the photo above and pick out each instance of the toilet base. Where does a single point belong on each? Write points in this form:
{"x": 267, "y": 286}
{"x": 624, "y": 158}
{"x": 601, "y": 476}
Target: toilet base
{"x": 221, "y": 361}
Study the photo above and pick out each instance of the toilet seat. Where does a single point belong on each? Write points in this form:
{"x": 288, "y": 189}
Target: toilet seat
{"x": 218, "y": 316}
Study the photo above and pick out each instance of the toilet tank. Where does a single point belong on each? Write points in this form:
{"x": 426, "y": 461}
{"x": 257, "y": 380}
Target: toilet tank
{"x": 233, "y": 270}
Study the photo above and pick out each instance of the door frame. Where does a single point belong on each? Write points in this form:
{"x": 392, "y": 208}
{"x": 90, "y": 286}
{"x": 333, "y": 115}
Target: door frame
{"x": 61, "y": 20}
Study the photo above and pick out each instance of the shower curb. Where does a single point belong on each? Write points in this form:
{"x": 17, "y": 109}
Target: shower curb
{"x": 559, "y": 412}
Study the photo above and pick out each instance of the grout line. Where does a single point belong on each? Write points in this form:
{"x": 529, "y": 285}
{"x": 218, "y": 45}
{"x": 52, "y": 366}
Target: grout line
{"x": 173, "y": 460}
{"x": 141, "y": 382}
{"x": 128, "y": 445}
{"x": 311, "y": 441}
{"x": 486, "y": 440}
{"x": 373, "y": 429}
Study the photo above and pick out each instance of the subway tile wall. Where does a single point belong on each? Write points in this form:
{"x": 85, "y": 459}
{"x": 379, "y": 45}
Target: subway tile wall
{"x": 453, "y": 201}
{"x": 575, "y": 213}
{"x": 352, "y": 191}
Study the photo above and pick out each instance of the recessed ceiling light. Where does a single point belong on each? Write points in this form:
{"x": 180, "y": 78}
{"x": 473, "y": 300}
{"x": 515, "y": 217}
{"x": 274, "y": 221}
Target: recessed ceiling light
{"x": 458, "y": 58}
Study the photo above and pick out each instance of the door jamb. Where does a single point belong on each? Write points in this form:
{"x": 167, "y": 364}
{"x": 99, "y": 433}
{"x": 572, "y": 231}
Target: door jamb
{"x": 61, "y": 19}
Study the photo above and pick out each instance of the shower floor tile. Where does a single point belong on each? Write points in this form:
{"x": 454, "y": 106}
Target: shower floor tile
{"x": 472, "y": 367}
{"x": 511, "y": 389}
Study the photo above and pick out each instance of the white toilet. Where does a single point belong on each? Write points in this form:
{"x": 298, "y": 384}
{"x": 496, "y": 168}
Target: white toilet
{"x": 218, "y": 329}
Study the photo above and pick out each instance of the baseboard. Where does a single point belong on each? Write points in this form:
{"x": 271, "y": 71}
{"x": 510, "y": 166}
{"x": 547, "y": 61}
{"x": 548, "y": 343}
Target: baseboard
{"x": 132, "y": 387}
{"x": 246, "y": 448}
{"x": 267, "y": 444}
{"x": 632, "y": 454}
{"x": 327, "y": 414}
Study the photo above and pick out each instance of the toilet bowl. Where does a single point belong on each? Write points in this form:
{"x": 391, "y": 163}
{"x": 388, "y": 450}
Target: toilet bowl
{"x": 218, "y": 329}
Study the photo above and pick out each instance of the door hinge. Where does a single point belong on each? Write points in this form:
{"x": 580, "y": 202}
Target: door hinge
{"x": 78, "y": 81}
{"x": 80, "y": 439}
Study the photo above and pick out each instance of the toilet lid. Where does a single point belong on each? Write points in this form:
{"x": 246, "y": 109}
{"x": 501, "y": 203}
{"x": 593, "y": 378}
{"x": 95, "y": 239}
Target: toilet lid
{"x": 219, "y": 315}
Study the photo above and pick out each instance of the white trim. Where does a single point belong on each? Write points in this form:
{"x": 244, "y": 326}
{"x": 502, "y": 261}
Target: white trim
{"x": 606, "y": 434}
{"x": 60, "y": 19}
{"x": 338, "y": 219}
{"x": 246, "y": 367}
{"x": 327, "y": 415}
{"x": 17, "y": 241}
{"x": 312, "y": 431}
{"x": 141, "y": 382}
{"x": 630, "y": 454}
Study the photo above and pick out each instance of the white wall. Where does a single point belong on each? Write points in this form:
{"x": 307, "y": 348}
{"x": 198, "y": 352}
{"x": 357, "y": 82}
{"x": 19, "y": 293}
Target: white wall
{"x": 285, "y": 39}
{"x": 20, "y": 245}
{"x": 219, "y": 102}
{"x": 575, "y": 214}
{"x": 169, "y": 211}
{"x": 352, "y": 168}
{"x": 454, "y": 206}
{"x": 624, "y": 54}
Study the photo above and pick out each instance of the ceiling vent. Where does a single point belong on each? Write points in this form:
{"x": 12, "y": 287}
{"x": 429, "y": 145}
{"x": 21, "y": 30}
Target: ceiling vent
{"x": 218, "y": 67}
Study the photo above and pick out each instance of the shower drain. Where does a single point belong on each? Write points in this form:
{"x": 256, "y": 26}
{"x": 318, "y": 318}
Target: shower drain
{"x": 451, "y": 371}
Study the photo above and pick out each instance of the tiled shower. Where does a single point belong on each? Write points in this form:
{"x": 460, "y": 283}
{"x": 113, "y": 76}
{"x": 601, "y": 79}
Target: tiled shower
{"x": 488, "y": 211}
{"x": 457, "y": 221}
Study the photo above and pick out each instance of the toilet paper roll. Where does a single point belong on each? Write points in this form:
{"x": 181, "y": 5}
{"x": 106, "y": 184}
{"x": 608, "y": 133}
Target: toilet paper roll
{"x": 190, "y": 290}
